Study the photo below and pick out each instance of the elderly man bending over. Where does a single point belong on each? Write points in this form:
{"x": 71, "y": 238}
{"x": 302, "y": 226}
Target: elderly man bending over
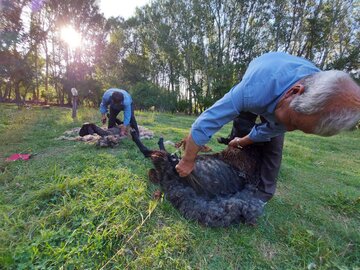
{"x": 288, "y": 93}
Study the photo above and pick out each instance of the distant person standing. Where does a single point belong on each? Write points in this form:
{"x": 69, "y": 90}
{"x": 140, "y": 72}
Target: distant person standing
{"x": 118, "y": 100}
{"x": 75, "y": 96}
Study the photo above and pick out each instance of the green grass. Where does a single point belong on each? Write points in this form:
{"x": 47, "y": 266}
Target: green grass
{"x": 74, "y": 206}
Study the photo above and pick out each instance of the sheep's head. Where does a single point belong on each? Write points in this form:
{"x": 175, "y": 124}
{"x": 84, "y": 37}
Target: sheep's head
{"x": 163, "y": 160}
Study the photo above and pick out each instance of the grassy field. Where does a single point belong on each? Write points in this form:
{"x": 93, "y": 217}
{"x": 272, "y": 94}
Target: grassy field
{"x": 74, "y": 206}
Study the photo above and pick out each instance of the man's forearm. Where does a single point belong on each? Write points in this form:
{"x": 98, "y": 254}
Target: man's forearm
{"x": 244, "y": 141}
{"x": 187, "y": 163}
{"x": 191, "y": 149}
{"x": 103, "y": 107}
{"x": 103, "y": 118}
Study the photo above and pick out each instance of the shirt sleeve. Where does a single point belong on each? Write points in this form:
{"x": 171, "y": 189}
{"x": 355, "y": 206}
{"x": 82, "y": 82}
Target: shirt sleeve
{"x": 127, "y": 114}
{"x": 264, "y": 132}
{"x": 127, "y": 108}
{"x": 104, "y": 105}
{"x": 214, "y": 118}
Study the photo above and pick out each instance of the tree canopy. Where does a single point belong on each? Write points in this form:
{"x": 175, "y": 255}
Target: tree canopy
{"x": 174, "y": 55}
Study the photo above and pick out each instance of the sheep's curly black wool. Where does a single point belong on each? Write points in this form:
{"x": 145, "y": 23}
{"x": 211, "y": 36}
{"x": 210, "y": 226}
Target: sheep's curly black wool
{"x": 219, "y": 192}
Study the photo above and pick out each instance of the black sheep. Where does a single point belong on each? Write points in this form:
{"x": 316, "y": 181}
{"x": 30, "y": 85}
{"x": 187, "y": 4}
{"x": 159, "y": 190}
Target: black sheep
{"x": 219, "y": 192}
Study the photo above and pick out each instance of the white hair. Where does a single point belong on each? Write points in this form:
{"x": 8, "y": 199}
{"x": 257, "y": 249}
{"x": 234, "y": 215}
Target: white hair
{"x": 322, "y": 87}
{"x": 335, "y": 122}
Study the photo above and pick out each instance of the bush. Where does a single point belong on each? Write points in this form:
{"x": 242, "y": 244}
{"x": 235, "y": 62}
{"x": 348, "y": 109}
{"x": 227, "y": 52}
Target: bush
{"x": 147, "y": 95}
{"x": 182, "y": 106}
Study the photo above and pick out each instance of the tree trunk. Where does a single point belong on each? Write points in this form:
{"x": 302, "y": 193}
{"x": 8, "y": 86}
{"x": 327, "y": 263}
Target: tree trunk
{"x": 1, "y": 92}
{"x": 46, "y": 68}
{"x": 36, "y": 94}
{"x": 17, "y": 92}
{"x": 7, "y": 92}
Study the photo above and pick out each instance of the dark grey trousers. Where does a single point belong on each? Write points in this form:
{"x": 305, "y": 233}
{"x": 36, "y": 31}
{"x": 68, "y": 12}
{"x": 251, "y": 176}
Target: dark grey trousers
{"x": 271, "y": 154}
{"x": 113, "y": 120}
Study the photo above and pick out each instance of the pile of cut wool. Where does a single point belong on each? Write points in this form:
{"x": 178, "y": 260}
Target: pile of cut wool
{"x": 110, "y": 140}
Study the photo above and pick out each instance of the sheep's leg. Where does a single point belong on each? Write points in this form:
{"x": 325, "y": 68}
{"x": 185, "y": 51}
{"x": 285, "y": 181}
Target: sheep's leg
{"x": 223, "y": 140}
{"x": 143, "y": 149}
{"x": 100, "y": 131}
{"x": 161, "y": 144}
{"x": 87, "y": 129}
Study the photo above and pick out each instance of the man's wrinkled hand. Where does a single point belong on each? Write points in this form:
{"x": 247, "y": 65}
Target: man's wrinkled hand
{"x": 236, "y": 143}
{"x": 184, "y": 167}
{"x": 123, "y": 130}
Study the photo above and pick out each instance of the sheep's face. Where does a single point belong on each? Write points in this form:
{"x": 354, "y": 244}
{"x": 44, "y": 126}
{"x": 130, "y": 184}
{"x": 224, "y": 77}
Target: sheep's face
{"x": 163, "y": 161}
{"x": 160, "y": 159}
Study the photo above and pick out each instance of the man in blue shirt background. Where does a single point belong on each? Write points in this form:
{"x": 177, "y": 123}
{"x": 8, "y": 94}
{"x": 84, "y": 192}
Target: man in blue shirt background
{"x": 118, "y": 100}
{"x": 289, "y": 93}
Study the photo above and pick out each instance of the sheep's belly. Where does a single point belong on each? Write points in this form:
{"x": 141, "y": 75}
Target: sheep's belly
{"x": 213, "y": 176}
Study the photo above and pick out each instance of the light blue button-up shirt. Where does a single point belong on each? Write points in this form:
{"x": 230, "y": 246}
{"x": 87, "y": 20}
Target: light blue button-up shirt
{"x": 267, "y": 78}
{"x": 106, "y": 101}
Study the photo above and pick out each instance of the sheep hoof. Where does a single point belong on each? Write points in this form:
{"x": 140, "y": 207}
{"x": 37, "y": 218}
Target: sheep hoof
{"x": 223, "y": 140}
{"x": 157, "y": 195}
{"x": 251, "y": 223}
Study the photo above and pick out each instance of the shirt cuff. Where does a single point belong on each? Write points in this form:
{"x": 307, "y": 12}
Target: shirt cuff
{"x": 199, "y": 137}
{"x": 256, "y": 136}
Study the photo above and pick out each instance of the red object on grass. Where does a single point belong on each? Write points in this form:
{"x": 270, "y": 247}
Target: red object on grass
{"x": 14, "y": 157}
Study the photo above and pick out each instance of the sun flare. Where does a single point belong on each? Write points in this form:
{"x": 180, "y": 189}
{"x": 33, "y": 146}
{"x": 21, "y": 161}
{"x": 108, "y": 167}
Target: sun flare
{"x": 70, "y": 36}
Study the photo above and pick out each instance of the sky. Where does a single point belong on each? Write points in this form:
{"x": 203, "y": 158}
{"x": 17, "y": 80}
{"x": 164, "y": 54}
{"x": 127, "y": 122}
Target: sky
{"x": 123, "y": 8}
